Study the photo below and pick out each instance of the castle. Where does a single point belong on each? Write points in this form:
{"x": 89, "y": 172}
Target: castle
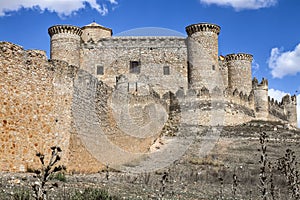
{"x": 130, "y": 90}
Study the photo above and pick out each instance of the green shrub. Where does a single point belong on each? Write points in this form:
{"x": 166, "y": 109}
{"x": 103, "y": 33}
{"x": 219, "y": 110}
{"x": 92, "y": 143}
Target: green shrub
{"x": 93, "y": 194}
{"x": 59, "y": 176}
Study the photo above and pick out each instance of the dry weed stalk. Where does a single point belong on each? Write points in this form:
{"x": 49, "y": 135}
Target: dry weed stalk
{"x": 288, "y": 166}
{"x": 234, "y": 185}
{"x": 263, "y": 164}
{"x": 43, "y": 175}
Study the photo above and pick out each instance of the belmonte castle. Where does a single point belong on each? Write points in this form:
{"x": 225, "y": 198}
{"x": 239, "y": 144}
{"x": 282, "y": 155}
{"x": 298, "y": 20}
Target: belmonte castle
{"x": 128, "y": 90}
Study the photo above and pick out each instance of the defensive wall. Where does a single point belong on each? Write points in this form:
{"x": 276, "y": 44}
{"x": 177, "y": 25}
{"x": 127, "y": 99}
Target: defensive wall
{"x": 112, "y": 114}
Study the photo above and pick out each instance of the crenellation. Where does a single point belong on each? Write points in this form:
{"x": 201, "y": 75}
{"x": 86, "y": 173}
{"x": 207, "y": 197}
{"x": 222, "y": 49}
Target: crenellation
{"x": 288, "y": 99}
{"x": 97, "y": 90}
{"x": 207, "y": 27}
{"x": 64, "y": 29}
{"x": 262, "y": 85}
{"x": 127, "y": 41}
{"x": 239, "y": 56}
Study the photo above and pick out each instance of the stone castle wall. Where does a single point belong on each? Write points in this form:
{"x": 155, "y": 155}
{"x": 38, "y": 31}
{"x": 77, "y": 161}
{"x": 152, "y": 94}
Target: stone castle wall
{"x": 113, "y": 115}
{"x": 36, "y": 97}
{"x": 50, "y": 103}
{"x": 153, "y": 54}
{"x": 276, "y": 110}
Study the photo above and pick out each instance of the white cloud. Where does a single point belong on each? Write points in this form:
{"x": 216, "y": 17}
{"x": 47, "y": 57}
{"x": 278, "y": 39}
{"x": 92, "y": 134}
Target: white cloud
{"x": 284, "y": 63}
{"x": 242, "y": 4}
{"x": 113, "y": 1}
{"x": 277, "y": 95}
{"x": 255, "y": 67}
{"x": 61, "y": 7}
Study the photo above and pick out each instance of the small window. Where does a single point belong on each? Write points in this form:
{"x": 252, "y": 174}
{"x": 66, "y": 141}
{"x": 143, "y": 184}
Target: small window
{"x": 135, "y": 67}
{"x": 100, "y": 70}
{"x": 214, "y": 67}
{"x": 166, "y": 70}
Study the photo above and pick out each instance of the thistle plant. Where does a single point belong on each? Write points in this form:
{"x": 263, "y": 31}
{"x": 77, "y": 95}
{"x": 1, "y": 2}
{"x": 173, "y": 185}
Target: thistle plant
{"x": 43, "y": 175}
{"x": 234, "y": 185}
{"x": 271, "y": 181}
{"x": 288, "y": 166}
{"x": 263, "y": 165}
{"x": 163, "y": 181}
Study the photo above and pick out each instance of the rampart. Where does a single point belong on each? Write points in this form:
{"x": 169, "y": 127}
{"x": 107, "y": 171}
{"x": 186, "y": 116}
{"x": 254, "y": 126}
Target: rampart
{"x": 36, "y": 97}
{"x": 108, "y": 99}
{"x": 153, "y": 55}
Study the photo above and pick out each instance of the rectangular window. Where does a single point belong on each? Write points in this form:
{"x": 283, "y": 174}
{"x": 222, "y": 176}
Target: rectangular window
{"x": 100, "y": 70}
{"x": 135, "y": 67}
{"x": 166, "y": 70}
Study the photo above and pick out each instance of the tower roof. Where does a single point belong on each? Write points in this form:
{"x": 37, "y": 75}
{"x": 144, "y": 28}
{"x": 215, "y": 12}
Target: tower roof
{"x": 96, "y": 25}
{"x": 93, "y": 24}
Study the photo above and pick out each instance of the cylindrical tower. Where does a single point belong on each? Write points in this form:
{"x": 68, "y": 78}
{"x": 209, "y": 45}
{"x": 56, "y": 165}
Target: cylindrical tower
{"x": 261, "y": 102}
{"x": 65, "y": 43}
{"x": 239, "y": 72}
{"x": 290, "y": 108}
{"x": 203, "y": 66}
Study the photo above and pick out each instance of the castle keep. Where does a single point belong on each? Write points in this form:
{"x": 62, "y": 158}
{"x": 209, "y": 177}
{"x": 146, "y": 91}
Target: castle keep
{"x": 126, "y": 90}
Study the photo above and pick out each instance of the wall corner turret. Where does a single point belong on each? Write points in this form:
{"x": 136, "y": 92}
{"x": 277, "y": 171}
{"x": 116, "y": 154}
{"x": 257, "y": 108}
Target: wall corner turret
{"x": 65, "y": 43}
{"x": 202, "y": 43}
{"x": 239, "y": 72}
{"x": 261, "y": 101}
{"x": 290, "y": 109}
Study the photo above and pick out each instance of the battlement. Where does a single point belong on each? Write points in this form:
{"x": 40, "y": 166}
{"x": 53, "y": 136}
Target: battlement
{"x": 284, "y": 110}
{"x": 274, "y": 102}
{"x": 239, "y": 56}
{"x": 263, "y": 85}
{"x": 287, "y": 99}
{"x": 95, "y": 86}
{"x": 205, "y": 27}
{"x": 128, "y": 41}
{"x": 64, "y": 29}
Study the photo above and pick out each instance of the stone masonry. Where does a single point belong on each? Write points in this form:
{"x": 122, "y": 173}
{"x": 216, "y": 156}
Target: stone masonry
{"x": 106, "y": 100}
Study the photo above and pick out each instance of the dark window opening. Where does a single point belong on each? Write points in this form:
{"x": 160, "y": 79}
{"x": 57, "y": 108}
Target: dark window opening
{"x": 213, "y": 67}
{"x": 100, "y": 70}
{"x": 166, "y": 70}
{"x": 135, "y": 67}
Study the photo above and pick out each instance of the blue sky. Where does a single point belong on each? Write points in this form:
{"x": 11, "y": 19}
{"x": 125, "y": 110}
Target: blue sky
{"x": 267, "y": 29}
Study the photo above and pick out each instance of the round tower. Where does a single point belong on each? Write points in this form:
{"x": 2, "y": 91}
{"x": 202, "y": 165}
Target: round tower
{"x": 290, "y": 108}
{"x": 65, "y": 43}
{"x": 239, "y": 72}
{"x": 203, "y": 66}
{"x": 261, "y": 102}
{"x": 95, "y": 32}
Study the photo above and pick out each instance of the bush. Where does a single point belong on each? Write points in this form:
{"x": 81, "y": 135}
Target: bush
{"x": 59, "y": 176}
{"x": 93, "y": 194}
